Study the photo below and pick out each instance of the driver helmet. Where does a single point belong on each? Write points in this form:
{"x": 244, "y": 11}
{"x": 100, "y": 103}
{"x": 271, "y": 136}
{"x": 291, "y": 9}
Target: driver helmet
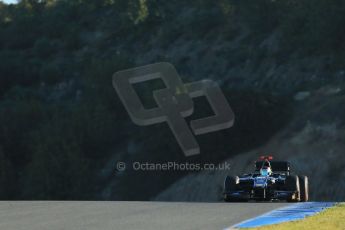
{"x": 265, "y": 171}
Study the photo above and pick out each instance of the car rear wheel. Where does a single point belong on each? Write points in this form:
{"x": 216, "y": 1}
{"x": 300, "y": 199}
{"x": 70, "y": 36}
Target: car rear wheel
{"x": 230, "y": 184}
{"x": 293, "y": 185}
{"x": 304, "y": 186}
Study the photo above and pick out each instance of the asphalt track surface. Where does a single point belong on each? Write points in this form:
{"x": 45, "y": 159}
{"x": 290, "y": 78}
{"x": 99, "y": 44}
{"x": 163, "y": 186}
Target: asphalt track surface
{"x": 113, "y": 215}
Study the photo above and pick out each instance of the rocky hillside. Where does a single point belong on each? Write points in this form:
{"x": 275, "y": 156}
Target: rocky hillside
{"x": 313, "y": 142}
{"x": 63, "y": 128}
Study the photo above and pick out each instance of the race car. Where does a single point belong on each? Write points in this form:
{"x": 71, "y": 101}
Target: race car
{"x": 271, "y": 181}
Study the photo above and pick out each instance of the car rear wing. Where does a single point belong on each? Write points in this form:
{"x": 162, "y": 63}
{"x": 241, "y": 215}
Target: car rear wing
{"x": 276, "y": 166}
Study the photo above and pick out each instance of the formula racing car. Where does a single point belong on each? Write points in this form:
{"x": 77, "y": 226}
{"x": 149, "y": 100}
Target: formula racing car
{"x": 271, "y": 181}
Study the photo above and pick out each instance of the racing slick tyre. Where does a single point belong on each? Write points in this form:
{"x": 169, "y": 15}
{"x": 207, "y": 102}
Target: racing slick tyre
{"x": 292, "y": 184}
{"x": 304, "y": 187}
{"x": 230, "y": 185}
